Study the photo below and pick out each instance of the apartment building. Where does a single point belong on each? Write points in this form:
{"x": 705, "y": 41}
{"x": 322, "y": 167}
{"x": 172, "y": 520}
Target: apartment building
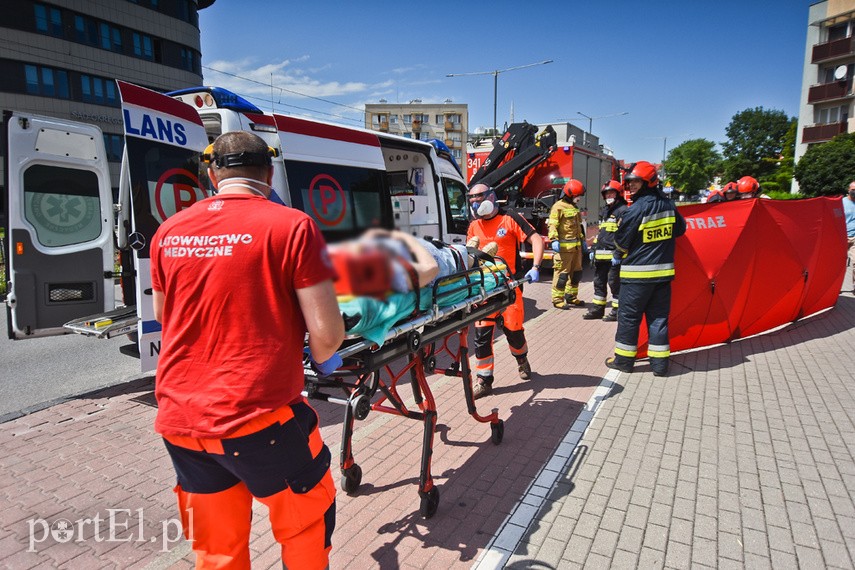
{"x": 826, "y": 104}
{"x": 61, "y": 57}
{"x": 448, "y": 122}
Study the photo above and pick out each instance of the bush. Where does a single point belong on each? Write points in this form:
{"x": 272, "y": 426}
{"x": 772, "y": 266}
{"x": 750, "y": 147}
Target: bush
{"x": 827, "y": 169}
{"x": 784, "y": 195}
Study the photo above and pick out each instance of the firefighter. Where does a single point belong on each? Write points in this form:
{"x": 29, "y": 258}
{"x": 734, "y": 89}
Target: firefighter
{"x": 644, "y": 248}
{"x": 567, "y": 235}
{"x": 726, "y": 194}
{"x": 508, "y": 230}
{"x": 748, "y": 187}
{"x": 606, "y": 274}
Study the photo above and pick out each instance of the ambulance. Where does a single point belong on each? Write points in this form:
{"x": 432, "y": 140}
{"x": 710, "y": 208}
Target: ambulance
{"x": 78, "y": 259}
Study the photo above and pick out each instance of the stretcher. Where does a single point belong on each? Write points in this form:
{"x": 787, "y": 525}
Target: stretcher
{"x": 427, "y": 327}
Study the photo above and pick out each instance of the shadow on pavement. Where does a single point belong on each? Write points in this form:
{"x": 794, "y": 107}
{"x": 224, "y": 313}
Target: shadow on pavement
{"x": 478, "y": 494}
{"x": 717, "y": 357}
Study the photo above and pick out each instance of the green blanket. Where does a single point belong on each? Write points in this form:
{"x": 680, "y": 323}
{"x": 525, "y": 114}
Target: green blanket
{"x": 376, "y": 317}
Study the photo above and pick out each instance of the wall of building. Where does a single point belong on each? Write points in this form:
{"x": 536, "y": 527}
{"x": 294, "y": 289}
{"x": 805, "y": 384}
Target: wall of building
{"x": 399, "y": 121}
{"x": 68, "y": 43}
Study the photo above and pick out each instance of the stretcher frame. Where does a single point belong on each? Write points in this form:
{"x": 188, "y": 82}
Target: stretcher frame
{"x": 368, "y": 369}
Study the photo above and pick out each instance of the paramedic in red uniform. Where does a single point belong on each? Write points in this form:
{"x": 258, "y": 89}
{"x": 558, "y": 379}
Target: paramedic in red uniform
{"x": 509, "y": 230}
{"x": 237, "y": 282}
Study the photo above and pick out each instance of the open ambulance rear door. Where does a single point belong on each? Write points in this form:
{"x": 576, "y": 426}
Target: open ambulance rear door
{"x": 59, "y": 228}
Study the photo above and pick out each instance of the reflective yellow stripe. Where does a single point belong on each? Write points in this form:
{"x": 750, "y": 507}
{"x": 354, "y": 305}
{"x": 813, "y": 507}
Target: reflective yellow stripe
{"x": 646, "y": 274}
{"x": 627, "y": 353}
{"x": 658, "y": 353}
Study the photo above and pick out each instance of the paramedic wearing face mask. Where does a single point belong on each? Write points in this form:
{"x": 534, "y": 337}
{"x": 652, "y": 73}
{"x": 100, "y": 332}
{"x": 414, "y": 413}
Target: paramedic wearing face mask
{"x": 509, "y": 230}
{"x": 237, "y": 282}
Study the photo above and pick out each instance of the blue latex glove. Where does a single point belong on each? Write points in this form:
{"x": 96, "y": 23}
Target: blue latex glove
{"x": 556, "y": 246}
{"x": 585, "y": 248}
{"x": 533, "y": 274}
{"x": 616, "y": 259}
{"x": 591, "y": 256}
{"x": 326, "y": 367}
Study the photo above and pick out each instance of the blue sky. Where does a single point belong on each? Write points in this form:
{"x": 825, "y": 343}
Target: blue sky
{"x": 679, "y": 69}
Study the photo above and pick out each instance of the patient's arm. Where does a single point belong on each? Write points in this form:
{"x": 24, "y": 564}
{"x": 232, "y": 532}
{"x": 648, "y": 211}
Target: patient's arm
{"x": 424, "y": 264}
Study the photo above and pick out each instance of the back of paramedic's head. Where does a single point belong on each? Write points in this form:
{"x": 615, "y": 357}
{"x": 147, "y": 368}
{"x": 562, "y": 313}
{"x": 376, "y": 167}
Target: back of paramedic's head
{"x": 239, "y": 154}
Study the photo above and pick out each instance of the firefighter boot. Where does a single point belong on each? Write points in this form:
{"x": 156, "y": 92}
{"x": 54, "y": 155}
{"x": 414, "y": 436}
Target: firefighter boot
{"x": 573, "y": 301}
{"x": 612, "y": 316}
{"x": 524, "y": 367}
{"x": 483, "y": 387}
{"x": 624, "y": 365}
{"x": 595, "y": 312}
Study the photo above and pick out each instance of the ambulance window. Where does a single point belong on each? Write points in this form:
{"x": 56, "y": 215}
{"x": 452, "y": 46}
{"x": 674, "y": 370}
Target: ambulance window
{"x": 458, "y": 214}
{"x": 62, "y": 204}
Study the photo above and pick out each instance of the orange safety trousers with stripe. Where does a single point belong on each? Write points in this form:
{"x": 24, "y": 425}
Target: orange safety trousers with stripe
{"x": 280, "y": 460}
{"x": 512, "y": 325}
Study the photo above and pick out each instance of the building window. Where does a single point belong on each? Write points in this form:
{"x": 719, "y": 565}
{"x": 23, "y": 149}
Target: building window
{"x": 189, "y": 60}
{"x": 143, "y": 46}
{"x": 48, "y": 20}
{"x": 46, "y": 81}
{"x": 830, "y": 115}
{"x": 408, "y": 119}
{"x": 393, "y": 119}
{"x": 114, "y": 145}
{"x": 98, "y": 90}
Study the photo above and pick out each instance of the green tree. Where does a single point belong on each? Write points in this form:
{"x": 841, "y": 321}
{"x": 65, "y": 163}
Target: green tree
{"x": 691, "y": 165}
{"x": 781, "y": 180}
{"x": 827, "y": 169}
{"x": 752, "y": 136}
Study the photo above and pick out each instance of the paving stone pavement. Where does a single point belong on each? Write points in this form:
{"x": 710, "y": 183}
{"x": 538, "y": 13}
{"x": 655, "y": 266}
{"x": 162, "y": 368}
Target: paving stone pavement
{"x": 742, "y": 458}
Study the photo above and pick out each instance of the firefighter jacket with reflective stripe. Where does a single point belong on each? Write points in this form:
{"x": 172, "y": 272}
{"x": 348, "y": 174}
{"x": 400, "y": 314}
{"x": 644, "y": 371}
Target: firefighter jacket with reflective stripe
{"x": 604, "y": 243}
{"x": 646, "y": 235}
{"x": 565, "y": 225}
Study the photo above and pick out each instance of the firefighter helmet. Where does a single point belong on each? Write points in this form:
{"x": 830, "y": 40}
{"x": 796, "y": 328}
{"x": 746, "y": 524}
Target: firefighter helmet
{"x": 613, "y": 186}
{"x": 747, "y": 185}
{"x": 573, "y": 189}
{"x": 729, "y": 187}
{"x": 645, "y": 171}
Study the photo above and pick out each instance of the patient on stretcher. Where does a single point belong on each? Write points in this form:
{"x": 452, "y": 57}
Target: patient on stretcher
{"x": 381, "y": 276}
{"x": 383, "y": 261}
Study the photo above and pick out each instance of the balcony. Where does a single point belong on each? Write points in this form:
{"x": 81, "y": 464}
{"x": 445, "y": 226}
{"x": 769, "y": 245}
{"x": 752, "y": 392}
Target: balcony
{"x": 451, "y": 126}
{"x": 417, "y": 125}
{"x": 451, "y": 143}
{"x": 383, "y": 126}
{"x": 829, "y": 91}
{"x": 822, "y": 133}
{"x": 832, "y": 50}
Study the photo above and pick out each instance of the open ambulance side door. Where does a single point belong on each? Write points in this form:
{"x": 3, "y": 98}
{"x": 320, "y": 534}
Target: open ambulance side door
{"x": 60, "y": 224}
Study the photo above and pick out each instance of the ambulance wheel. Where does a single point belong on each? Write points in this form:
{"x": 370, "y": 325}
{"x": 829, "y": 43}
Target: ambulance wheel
{"x": 430, "y": 364}
{"x": 414, "y": 340}
{"x": 361, "y": 406}
{"x": 497, "y": 432}
{"x": 429, "y": 502}
{"x": 351, "y": 479}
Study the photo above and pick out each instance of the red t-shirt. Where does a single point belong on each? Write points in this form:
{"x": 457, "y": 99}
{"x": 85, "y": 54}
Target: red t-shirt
{"x": 233, "y": 332}
{"x": 508, "y": 229}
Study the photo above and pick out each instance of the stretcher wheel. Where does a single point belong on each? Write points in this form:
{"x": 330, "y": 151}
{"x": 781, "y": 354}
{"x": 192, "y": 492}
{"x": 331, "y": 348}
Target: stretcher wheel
{"x": 429, "y": 502}
{"x": 500, "y": 320}
{"x": 361, "y": 406}
{"x": 497, "y": 432}
{"x": 351, "y": 479}
{"x": 453, "y": 369}
{"x": 430, "y": 364}
{"x": 414, "y": 340}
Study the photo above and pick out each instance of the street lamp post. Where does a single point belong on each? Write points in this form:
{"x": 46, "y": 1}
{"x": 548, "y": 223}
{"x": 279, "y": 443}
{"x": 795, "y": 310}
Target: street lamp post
{"x": 495, "y": 74}
{"x": 591, "y": 119}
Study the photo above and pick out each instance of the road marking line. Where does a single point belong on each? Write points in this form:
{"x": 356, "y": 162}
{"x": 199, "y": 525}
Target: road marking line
{"x": 510, "y": 533}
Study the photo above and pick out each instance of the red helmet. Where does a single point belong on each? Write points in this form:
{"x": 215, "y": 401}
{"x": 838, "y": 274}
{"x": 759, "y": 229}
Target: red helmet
{"x": 645, "y": 171}
{"x": 612, "y": 185}
{"x": 747, "y": 185}
{"x": 573, "y": 188}
{"x": 729, "y": 187}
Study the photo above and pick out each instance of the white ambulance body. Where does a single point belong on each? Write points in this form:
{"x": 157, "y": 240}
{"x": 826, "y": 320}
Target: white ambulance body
{"x": 61, "y": 254}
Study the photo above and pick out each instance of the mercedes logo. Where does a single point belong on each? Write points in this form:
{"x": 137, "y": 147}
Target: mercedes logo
{"x": 136, "y": 240}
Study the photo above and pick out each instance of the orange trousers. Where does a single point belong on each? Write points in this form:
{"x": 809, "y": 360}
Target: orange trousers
{"x": 278, "y": 459}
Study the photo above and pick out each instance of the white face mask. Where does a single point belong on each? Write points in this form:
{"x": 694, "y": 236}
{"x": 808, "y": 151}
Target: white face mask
{"x": 610, "y": 201}
{"x": 485, "y": 209}
{"x": 241, "y": 182}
